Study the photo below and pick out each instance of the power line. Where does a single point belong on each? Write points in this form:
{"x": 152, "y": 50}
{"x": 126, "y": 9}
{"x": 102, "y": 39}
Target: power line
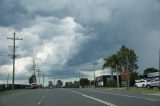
{"x": 13, "y": 55}
{"x": 42, "y": 64}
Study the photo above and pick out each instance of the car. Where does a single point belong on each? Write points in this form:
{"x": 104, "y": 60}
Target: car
{"x": 34, "y": 85}
{"x": 153, "y": 83}
{"x": 141, "y": 83}
{"x": 159, "y": 85}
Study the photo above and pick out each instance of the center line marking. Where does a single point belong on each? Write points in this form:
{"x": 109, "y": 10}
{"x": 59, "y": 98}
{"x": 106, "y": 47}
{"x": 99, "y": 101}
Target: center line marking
{"x": 42, "y": 98}
{"x": 96, "y": 99}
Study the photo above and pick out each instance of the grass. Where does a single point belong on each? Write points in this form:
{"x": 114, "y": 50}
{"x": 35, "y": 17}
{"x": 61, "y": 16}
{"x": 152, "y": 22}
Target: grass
{"x": 137, "y": 90}
{"x": 12, "y": 91}
{"x": 142, "y": 90}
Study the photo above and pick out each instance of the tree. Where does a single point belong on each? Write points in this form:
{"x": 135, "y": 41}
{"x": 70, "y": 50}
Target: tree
{"x": 128, "y": 59}
{"x": 66, "y": 85}
{"x": 84, "y": 82}
{"x": 32, "y": 79}
{"x": 50, "y": 83}
{"x": 76, "y": 84}
{"x": 133, "y": 76}
{"x": 124, "y": 60}
{"x": 149, "y": 70}
{"x": 109, "y": 62}
{"x": 59, "y": 83}
{"x": 113, "y": 62}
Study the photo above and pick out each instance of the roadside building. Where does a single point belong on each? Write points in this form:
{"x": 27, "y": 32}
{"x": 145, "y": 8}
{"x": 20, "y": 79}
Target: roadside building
{"x": 153, "y": 75}
{"x": 103, "y": 80}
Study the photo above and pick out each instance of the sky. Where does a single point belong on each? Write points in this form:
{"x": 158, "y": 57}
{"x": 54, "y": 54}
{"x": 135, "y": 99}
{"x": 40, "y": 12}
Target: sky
{"x": 66, "y": 36}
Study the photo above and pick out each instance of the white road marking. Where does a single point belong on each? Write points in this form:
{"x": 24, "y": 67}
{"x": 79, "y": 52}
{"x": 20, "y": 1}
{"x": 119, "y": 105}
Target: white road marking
{"x": 96, "y": 99}
{"x": 149, "y": 99}
{"x": 42, "y": 98}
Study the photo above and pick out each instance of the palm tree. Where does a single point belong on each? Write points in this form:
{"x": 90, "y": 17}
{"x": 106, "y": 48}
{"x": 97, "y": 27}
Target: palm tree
{"x": 109, "y": 63}
{"x": 113, "y": 62}
{"x": 128, "y": 60}
{"x": 125, "y": 59}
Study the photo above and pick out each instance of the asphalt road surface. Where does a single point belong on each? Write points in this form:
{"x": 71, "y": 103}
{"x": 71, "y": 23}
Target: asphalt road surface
{"x": 76, "y": 97}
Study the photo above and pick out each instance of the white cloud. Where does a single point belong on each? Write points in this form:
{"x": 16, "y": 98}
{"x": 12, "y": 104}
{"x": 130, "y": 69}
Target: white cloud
{"x": 53, "y": 49}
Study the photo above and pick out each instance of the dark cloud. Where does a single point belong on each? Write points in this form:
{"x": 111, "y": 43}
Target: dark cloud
{"x": 128, "y": 26}
{"x": 12, "y": 13}
{"x": 104, "y": 25}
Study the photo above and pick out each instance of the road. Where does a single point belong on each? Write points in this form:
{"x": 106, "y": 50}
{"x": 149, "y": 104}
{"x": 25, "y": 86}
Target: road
{"x": 77, "y": 97}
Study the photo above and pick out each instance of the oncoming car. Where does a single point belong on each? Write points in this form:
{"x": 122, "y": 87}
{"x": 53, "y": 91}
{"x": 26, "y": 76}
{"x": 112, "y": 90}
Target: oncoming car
{"x": 34, "y": 85}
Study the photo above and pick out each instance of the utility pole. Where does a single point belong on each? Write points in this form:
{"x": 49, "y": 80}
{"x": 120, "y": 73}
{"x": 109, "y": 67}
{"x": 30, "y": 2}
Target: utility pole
{"x": 76, "y": 80}
{"x": 34, "y": 67}
{"x": 38, "y": 73}
{"x": 7, "y": 80}
{"x": 14, "y": 56}
{"x": 79, "y": 78}
{"x": 94, "y": 64}
{"x": 43, "y": 80}
{"x": 128, "y": 81}
{"x": 159, "y": 64}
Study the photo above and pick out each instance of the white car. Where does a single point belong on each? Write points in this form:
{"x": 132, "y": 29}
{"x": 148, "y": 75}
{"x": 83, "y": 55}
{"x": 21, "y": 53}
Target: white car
{"x": 141, "y": 83}
{"x": 153, "y": 83}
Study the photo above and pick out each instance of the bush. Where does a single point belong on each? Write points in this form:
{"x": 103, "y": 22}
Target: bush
{"x": 2, "y": 87}
{"x": 111, "y": 83}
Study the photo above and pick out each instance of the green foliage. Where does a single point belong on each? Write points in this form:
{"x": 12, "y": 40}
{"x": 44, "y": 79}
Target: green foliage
{"x": 84, "y": 82}
{"x": 112, "y": 62}
{"x": 128, "y": 58}
{"x": 66, "y": 85}
{"x": 111, "y": 83}
{"x": 32, "y": 79}
{"x": 149, "y": 70}
{"x": 133, "y": 76}
{"x": 72, "y": 85}
{"x": 50, "y": 84}
{"x": 123, "y": 59}
{"x": 59, "y": 83}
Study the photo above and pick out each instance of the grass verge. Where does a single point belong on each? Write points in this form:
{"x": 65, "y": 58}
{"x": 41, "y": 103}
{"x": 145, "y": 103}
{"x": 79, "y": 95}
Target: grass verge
{"x": 142, "y": 90}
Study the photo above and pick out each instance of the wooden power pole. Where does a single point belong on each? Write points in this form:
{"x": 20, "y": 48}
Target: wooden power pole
{"x": 13, "y": 55}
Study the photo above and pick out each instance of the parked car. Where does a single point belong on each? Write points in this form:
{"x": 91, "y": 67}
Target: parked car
{"x": 159, "y": 85}
{"x": 141, "y": 83}
{"x": 153, "y": 83}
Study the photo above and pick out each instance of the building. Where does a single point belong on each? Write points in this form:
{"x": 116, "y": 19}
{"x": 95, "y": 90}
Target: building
{"x": 153, "y": 75}
{"x": 103, "y": 80}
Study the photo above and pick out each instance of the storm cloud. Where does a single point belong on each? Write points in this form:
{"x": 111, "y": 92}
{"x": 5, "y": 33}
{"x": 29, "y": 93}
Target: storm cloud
{"x": 72, "y": 33}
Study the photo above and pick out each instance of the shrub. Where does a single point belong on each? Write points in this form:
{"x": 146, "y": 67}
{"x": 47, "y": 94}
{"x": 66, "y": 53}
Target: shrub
{"x": 111, "y": 83}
